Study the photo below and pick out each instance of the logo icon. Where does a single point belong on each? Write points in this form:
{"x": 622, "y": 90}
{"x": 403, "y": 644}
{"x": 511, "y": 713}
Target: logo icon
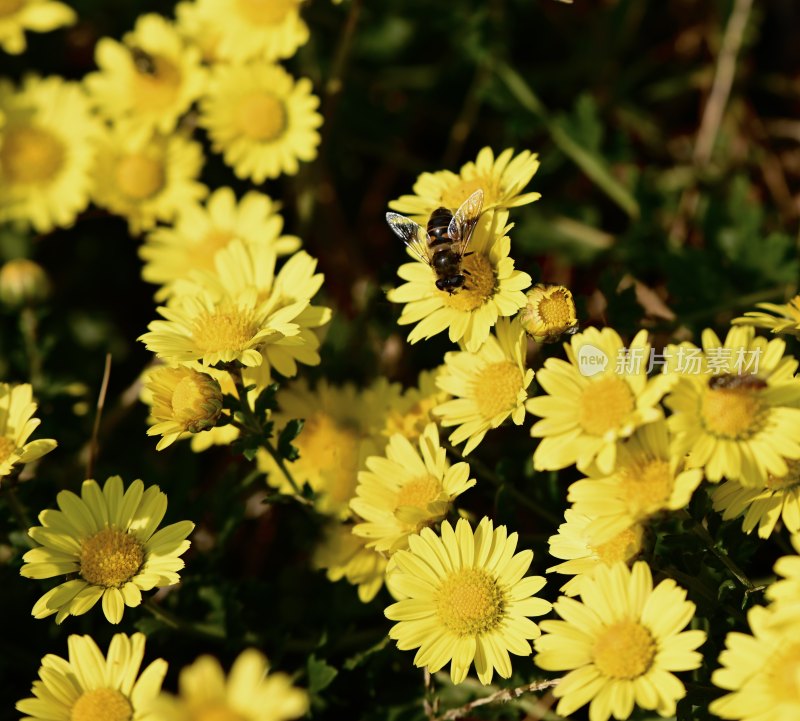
{"x": 591, "y": 360}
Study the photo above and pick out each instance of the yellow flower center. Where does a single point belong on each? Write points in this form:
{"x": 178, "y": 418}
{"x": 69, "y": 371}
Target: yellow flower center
{"x": 496, "y": 389}
{"x": 734, "y": 413}
{"x": 479, "y": 287}
{"x": 7, "y": 447}
{"x": 266, "y": 12}
{"x": 625, "y": 546}
{"x": 469, "y": 602}
{"x": 783, "y": 676}
{"x": 261, "y": 117}
{"x": 158, "y": 89}
{"x": 9, "y": 7}
{"x": 329, "y": 458}
{"x": 101, "y": 704}
{"x": 646, "y": 485}
{"x": 605, "y": 405}
{"x": 454, "y": 196}
{"x": 419, "y": 492}
{"x": 111, "y": 557}
{"x": 230, "y": 328}
{"x": 138, "y": 176}
{"x": 557, "y": 309}
{"x": 31, "y": 155}
{"x": 774, "y": 483}
{"x": 624, "y": 650}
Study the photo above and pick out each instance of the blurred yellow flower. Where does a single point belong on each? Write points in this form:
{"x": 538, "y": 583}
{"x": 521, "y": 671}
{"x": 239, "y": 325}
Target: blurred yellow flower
{"x": 488, "y": 386}
{"x": 88, "y": 685}
{"x": 405, "y": 489}
{"x": 46, "y": 153}
{"x": 784, "y": 593}
{"x": 342, "y": 555}
{"x": 150, "y": 181}
{"x": 249, "y": 693}
{"x": 502, "y": 180}
{"x": 261, "y": 119}
{"x": 198, "y": 28}
{"x": 16, "y": 425}
{"x": 41, "y": 16}
{"x": 146, "y": 82}
{"x": 620, "y": 644}
{"x": 108, "y": 541}
{"x": 602, "y": 395}
{"x": 411, "y": 411}
{"x": 201, "y": 230}
{"x": 255, "y": 29}
{"x": 23, "y": 284}
{"x": 782, "y": 318}
{"x": 495, "y": 289}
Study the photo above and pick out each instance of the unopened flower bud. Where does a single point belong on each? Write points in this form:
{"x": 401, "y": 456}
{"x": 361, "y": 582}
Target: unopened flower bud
{"x": 23, "y": 283}
{"x": 549, "y": 313}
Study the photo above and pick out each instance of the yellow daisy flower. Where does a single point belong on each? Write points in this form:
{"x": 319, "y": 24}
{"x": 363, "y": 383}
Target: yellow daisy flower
{"x": 406, "y": 489}
{"x": 340, "y": 432}
{"x": 342, "y": 555}
{"x": 198, "y": 29}
{"x": 249, "y": 693}
{"x": 201, "y": 230}
{"x": 548, "y": 313}
{"x": 87, "y": 685}
{"x": 763, "y": 507}
{"x": 255, "y": 29}
{"x": 502, "y": 180}
{"x": 466, "y": 600}
{"x": 146, "y": 182}
{"x": 737, "y": 421}
{"x": 184, "y": 401}
{"x": 647, "y": 480}
{"x": 621, "y": 644}
{"x": 487, "y": 386}
{"x": 261, "y": 120}
{"x": 41, "y": 16}
{"x": 224, "y": 329}
{"x": 760, "y": 671}
{"x": 23, "y": 284}
{"x": 16, "y": 426}
{"x": 241, "y": 268}
{"x": 46, "y": 153}
{"x": 785, "y": 592}
{"x": 110, "y": 542}
{"x": 147, "y": 81}
{"x": 411, "y": 411}
{"x": 602, "y": 395}
{"x": 573, "y": 545}
{"x": 782, "y": 318}
{"x": 495, "y": 289}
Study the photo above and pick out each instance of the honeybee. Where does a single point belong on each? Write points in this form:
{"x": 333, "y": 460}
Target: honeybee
{"x": 730, "y": 381}
{"x": 444, "y": 243}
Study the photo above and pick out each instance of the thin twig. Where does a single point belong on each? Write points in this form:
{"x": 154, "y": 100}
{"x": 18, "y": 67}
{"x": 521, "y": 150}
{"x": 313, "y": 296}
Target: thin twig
{"x": 505, "y": 695}
{"x": 723, "y": 81}
{"x": 101, "y": 402}
{"x": 171, "y": 620}
{"x": 335, "y": 83}
{"x": 430, "y": 702}
{"x": 29, "y": 325}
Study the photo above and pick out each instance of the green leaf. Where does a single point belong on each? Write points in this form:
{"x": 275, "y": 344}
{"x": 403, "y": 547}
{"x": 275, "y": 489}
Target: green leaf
{"x": 266, "y": 401}
{"x": 287, "y": 435}
{"x": 320, "y": 674}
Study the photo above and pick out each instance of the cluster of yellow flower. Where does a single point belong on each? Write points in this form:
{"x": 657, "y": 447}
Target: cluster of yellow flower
{"x": 122, "y": 137}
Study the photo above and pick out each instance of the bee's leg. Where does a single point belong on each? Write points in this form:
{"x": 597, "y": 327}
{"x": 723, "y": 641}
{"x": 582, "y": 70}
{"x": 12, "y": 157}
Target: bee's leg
{"x": 470, "y": 253}
{"x": 465, "y": 271}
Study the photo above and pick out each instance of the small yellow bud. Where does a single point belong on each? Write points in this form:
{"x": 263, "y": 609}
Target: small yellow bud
{"x": 550, "y": 312}
{"x": 23, "y": 283}
{"x": 184, "y": 401}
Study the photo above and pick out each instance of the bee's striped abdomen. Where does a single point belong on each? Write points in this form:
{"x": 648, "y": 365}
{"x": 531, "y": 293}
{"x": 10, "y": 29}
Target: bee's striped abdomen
{"x": 437, "y": 226}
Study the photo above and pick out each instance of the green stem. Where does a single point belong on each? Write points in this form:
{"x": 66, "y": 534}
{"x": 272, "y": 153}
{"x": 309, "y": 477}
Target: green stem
{"x": 170, "y": 619}
{"x": 702, "y": 533}
{"x": 335, "y": 84}
{"x": 9, "y": 487}
{"x": 29, "y": 326}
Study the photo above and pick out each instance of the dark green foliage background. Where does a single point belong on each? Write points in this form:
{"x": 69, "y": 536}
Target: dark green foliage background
{"x": 618, "y": 85}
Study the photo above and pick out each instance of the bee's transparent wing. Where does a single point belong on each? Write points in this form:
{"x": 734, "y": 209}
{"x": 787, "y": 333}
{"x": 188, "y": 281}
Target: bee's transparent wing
{"x": 412, "y": 234}
{"x": 464, "y": 221}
